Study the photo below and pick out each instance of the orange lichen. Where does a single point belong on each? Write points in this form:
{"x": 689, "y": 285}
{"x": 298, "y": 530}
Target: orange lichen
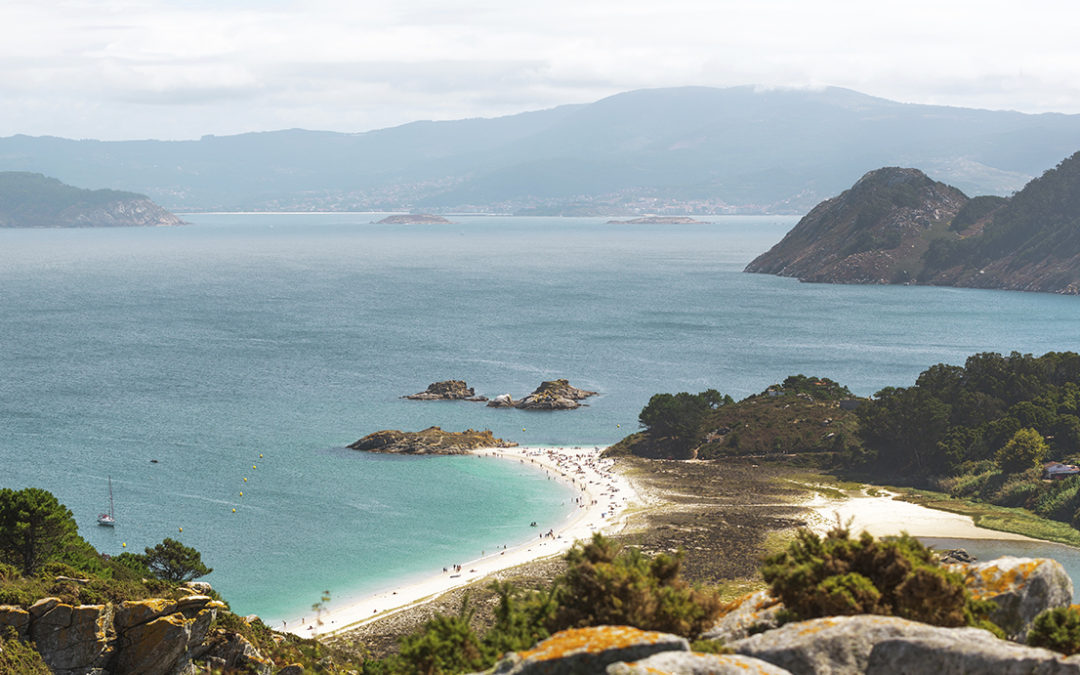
{"x": 595, "y": 639}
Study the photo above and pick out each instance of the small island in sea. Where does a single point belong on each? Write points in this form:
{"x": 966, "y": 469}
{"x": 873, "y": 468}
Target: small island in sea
{"x": 413, "y": 219}
{"x": 447, "y": 390}
{"x": 659, "y": 220}
{"x": 430, "y": 441}
{"x": 33, "y": 200}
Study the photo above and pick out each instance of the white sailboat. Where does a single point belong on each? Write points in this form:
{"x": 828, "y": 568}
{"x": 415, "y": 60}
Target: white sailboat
{"x": 107, "y": 519}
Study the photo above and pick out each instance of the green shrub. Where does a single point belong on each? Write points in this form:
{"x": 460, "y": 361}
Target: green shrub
{"x": 446, "y": 645}
{"x": 608, "y": 585}
{"x": 19, "y": 657}
{"x": 1057, "y": 629}
{"x": 818, "y": 577}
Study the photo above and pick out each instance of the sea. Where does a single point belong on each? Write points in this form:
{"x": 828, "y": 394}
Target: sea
{"x": 214, "y": 373}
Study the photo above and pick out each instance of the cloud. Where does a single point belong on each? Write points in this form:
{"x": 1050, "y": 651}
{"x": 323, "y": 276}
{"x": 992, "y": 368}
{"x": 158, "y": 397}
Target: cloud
{"x": 182, "y": 69}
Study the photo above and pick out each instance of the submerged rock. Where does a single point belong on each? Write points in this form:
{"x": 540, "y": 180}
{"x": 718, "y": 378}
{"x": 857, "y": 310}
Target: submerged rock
{"x": 447, "y": 390}
{"x": 430, "y": 441}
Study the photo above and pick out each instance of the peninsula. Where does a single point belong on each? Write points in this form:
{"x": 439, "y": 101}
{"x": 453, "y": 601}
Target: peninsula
{"x": 33, "y": 200}
{"x": 659, "y": 220}
{"x": 898, "y": 226}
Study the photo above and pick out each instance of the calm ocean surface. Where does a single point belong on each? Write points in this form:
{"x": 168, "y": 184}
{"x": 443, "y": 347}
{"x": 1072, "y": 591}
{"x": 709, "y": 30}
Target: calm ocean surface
{"x": 289, "y": 336}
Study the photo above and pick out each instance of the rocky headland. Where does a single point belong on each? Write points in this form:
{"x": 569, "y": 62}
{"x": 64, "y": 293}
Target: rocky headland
{"x": 430, "y": 441}
{"x": 447, "y": 390}
{"x": 34, "y": 200}
{"x": 896, "y": 225}
{"x": 550, "y": 395}
{"x": 659, "y": 220}
{"x": 413, "y": 219}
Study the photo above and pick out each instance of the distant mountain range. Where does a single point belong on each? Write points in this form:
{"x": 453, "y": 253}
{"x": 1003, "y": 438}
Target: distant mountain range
{"x": 667, "y": 151}
{"x": 898, "y": 225}
{"x": 33, "y": 200}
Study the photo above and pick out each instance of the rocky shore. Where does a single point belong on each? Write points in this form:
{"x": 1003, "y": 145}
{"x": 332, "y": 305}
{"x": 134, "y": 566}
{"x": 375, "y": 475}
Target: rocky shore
{"x": 550, "y": 395}
{"x": 414, "y": 219}
{"x": 430, "y": 441}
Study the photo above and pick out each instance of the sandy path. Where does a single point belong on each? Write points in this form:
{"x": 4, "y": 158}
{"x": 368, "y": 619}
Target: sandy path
{"x": 603, "y": 495}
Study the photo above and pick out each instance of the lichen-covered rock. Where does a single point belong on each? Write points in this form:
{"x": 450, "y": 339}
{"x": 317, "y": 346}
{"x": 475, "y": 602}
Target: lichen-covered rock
{"x": 447, "y": 390}
{"x": 840, "y": 645}
{"x": 430, "y": 441}
{"x": 755, "y": 613}
{"x": 691, "y": 663}
{"x": 589, "y": 650}
{"x": 554, "y": 395}
{"x": 162, "y": 636}
{"x": 1022, "y": 588}
{"x": 16, "y": 617}
{"x": 949, "y": 654}
{"x": 233, "y": 651}
{"x": 70, "y": 639}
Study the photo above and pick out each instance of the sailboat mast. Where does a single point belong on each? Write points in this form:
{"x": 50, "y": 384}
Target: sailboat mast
{"x": 110, "y": 498}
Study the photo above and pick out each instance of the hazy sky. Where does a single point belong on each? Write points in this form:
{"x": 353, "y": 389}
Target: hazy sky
{"x": 115, "y": 69}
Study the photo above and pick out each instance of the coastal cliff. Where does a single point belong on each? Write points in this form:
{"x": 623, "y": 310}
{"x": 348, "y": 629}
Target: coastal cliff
{"x": 897, "y": 225}
{"x": 430, "y": 441}
{"x": 33, "y": 200}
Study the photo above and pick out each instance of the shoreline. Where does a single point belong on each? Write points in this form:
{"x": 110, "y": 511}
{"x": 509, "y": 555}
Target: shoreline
{"x": 604, "y": 496}
{"x": 888, "y": 516}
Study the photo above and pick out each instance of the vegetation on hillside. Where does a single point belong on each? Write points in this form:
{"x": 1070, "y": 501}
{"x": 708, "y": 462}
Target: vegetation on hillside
{"x": 34, "y": 200}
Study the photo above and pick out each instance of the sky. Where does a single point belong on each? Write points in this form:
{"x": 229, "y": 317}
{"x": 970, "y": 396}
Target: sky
{"x": 178, "y": 69}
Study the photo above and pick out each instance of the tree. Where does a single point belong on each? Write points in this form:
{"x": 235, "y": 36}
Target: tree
{"x": 34, "y": 528}
{"x": 172, "y": 561}
{"x": 1025, "y": 450}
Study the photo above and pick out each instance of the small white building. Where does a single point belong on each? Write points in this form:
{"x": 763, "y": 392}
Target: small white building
{"x": 1056, "y": 470}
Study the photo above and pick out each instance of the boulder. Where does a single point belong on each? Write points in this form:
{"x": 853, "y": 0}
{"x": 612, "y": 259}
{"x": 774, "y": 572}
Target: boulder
{"x": 691, "y": 663}
{"x": 447, "y": 390}
{"x": 840, "y": 645}
{"x": 589, "y": 650}
{"x": 70, "y": 639}
{"x": 755, "y": 613}
{"x": 162, "y": 636}
{"x": 947, "y": 653}
{"x": 1022, "y": 588}
{"x": 16, "y": 617}
{"x": 502, "y": 401}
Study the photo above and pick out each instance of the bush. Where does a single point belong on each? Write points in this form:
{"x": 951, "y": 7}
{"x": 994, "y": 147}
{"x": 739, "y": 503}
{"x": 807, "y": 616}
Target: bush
{"x": 609, "y": 585}
{"x": 1057, "y": 629}
{"x": 446, "y": 645}
{"x": 19, "y": 657}
{"x": 818, "y": 577}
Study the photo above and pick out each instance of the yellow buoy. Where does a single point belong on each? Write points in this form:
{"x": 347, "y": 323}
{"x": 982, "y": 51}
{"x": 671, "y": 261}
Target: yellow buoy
{"x": 245, "y": 480}
{"x": 617, "y": 426}
{"x": 181, "y": 529}
{"x": 241, "y": 494}
{"x": 124, "y": 544}
{"x": 252, "y": 466}
{"x": 523, "y": 428}
{"x": 260, "y": 455}
{"x": 234, "y": 510}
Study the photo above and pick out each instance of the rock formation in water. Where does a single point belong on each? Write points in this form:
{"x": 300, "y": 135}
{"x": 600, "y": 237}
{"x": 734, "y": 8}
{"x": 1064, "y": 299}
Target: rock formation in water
{"x": 414, "y": 219}
{"x": 447, "y": 390}
{"x": 430, "y": 441}
{"x": 33, "y": 200}
{"x": 899, "y": 226}
{"x": 554, "y": 395}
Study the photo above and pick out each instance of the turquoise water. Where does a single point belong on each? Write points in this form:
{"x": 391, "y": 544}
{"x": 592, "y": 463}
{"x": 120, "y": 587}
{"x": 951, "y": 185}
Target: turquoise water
{"x": 291, "y": 336}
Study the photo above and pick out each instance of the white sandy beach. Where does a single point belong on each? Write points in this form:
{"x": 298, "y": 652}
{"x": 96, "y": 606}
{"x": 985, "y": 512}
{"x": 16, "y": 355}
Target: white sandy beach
{"x": 603, "y": 495}
{"x": 884, "y": 516}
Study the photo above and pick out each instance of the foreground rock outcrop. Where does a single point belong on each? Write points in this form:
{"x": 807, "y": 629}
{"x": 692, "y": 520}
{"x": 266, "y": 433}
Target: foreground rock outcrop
{"x": 447, "y": 390}
{"x": 149, "y": 637}
{"x": 1022, "y": 588}
{"x": 430, "y": 441}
